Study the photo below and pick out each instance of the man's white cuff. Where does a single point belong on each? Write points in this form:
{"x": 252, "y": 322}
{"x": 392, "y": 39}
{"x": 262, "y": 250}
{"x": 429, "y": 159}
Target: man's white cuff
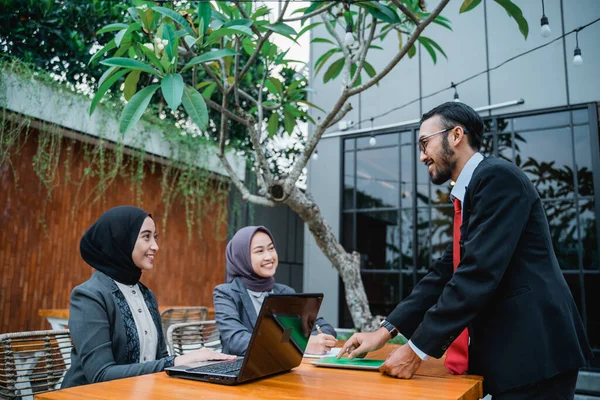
{"x": 421, "y": 355}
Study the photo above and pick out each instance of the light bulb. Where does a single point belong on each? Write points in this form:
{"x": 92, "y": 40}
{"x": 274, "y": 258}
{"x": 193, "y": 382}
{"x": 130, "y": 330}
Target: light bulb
{"x": 545, "y": 30}
{"x": 456, "y": 98}
{"x": 349, "y": 39}
{"x": 315, "y": 155}
{"x": 372, "y": 141}
{"x": 577, "y": 59}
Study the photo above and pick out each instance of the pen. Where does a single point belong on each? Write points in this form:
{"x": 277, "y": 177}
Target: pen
{"x": 319, "y": 329}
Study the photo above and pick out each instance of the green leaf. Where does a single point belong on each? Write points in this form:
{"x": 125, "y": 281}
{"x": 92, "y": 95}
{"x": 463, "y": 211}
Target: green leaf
{"x": 131, "y": 84}
{"x": 288, "y": 122}
{"x": 112, "y": 27}
{"x": 260, "y": 12}
{"x": 152, "y": 57}
{"x": 131, "y": 28}
{"x": 353, "y": 69}
{"x": 104, "y": 88}
{"x": 369, "y": 69}
{"x": 204, "y": 14}
{"x": 468, "y": 5}
{"x": 208, "y": 56}
{"x": 310, "y": 104}
{"x": 131, "y": 64}
{"x": 232, "y": 30}
{"x": 322, "y": 40}
{"x": 238, "y": 22}
{"x": 195, "y": 106}
{"x": 334, "y": 70}
{"x": 433, "y": 44}
{"x": 323, "y": 59}
{"x": 314, "y": 6}
{"x": 169, "y": 34}
{"x": 412, "y": 51}
{"x": 273, "y": 124}
{"x": 429, "y": 49}
{"x": 107, "y": 75}
{"x": 207, "y": 93}
{"x": 125, "y": 46}
{"x": 515, "y": 12}
{"x": 248, "y": 46}
{"x": 172, "y": 90}
{"x": 282, "y": 29}
{"x": 109, "y": 46}
{"x": 381, "y": 11}
{"x": 175, "y": 16}
{"x": 307, "y": 28}
{"x": 277, "y": 84}
{"x": 135, "y": 108}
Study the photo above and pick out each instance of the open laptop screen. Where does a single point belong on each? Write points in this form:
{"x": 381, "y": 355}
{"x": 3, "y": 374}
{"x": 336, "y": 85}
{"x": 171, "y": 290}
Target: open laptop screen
{"x": 281, "y": 334}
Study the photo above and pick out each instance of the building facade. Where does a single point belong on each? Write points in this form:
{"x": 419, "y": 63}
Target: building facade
{"x": 540, "y": 112}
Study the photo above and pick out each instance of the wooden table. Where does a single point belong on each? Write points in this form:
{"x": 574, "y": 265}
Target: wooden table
{"x": 304, "y": 382}
{"x": 58, "y": 318}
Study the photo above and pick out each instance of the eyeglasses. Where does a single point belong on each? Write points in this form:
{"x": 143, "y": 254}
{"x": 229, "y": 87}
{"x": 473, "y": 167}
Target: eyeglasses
{"x": 423, "y": 142}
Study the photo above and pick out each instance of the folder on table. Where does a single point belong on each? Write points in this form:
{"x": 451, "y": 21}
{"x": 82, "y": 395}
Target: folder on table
{"x": 369, "y": 364}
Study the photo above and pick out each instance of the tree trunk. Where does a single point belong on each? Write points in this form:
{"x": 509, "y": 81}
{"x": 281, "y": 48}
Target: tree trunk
{"x": 347, "y": 265}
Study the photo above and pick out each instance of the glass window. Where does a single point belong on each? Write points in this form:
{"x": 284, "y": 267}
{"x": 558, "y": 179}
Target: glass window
{"x": 589, "y": 235}
{"x": 383, "y": 292}
{"x": 406, "y": 239}
{"x": 563, "y": 229}
{"x": 377, "y": 178}
{"x": 349, "y": 144}
{"x": 377, "y": 239}
{"x": 348, "y": 232}
{"x": 442, "y": 220}
{"x": 583, "y": 158}
{"x": 406, "y": 173}
{"x": 423, "y": 195}
{"x": 548, "y": 166}
{"x": 541, "y": 121}
{"x": 364, "y": 142}
{"x": 348, "y": 200}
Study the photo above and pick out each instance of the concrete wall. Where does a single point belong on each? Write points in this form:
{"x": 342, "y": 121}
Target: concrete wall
{"x": 481, "y": 39}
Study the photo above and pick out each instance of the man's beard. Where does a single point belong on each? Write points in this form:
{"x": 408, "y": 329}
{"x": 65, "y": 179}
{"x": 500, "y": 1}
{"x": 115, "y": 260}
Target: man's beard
{"x": 442, "y": 169}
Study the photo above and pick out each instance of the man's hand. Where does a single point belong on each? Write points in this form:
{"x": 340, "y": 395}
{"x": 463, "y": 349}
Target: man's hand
{"x": 401, "y": 363}
{"x": 360, "y": 344}
{"x": 320, "y": 344}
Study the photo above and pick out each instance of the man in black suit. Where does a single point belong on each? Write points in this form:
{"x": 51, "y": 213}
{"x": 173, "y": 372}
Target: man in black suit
{"x": 496, "y": 302}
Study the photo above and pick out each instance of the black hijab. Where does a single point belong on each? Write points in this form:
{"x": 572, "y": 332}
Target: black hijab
{"x": 107, "y": 245}
{"x": 238, "y": 263}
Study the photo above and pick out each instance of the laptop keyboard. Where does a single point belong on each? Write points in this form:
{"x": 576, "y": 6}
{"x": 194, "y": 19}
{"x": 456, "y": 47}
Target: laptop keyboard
{"x": 220, "y": 368}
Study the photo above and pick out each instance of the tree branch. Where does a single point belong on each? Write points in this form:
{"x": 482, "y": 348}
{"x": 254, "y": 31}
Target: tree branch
{"x": 406, "y": 11}
{"x": 214, "y": 77}
{"x": 229, "y": 114}
{"x": 236, "y": 70}
{"x": 415, "y": 35}
{"x": 312, "y": 14}
{"x": 337, "y": 37}
{"x": 365, "y": 50}
{"x": 253, "y": 57}
{"x": 345, "y": 110}
{"x": 245, "y": 15}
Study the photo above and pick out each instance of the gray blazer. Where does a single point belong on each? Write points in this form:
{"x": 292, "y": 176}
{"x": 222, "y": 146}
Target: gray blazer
{"x": 236, "y": 316}
{"x": 105, "y": 339}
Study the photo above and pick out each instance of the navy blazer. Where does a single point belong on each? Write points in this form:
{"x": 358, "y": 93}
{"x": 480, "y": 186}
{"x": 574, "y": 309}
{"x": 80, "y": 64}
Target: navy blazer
{"x": 106, "y": 345}
{"x": 236, "y": 317}
{"x": 508, "y": 289}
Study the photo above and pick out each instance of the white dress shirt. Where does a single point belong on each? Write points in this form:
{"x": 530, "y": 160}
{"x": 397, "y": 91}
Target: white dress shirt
{"x": 143, "y": 321}
{"x": 257, "y": 299}
{"x": 458, "y": 192}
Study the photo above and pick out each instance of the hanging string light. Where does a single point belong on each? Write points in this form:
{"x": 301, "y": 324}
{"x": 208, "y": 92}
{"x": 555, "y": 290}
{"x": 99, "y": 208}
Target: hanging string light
{"x": 315, "y": 155}
{"x": 577, "y": 59}
{"x": 545, "y": 30}
{"x": 372, "y": 140}
{"x": 456, "y": 98}
{"x": 349, "y": 38}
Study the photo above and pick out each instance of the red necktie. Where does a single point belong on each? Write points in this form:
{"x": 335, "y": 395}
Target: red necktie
{"x": 457, "y": 356}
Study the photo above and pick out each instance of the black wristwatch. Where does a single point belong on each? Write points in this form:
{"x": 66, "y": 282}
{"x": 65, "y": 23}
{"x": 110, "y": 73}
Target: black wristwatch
{"x": 390, "y": 328}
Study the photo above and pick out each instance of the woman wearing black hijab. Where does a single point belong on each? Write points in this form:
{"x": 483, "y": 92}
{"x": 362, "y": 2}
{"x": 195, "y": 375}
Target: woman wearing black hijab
{"x": 114, "y": 321}
{"x": 251, "y": 263}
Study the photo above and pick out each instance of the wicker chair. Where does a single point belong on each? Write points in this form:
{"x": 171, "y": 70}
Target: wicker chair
{"x": 178, "y": 315}
{"x": 190, "y": 336}
{"x": 33, "y": 362}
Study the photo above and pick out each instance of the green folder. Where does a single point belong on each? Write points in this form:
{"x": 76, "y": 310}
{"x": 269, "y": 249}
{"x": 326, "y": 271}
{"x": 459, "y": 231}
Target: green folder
{"x": 356, "y": 363}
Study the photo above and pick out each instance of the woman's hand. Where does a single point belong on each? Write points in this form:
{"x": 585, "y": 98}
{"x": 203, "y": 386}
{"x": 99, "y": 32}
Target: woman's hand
{"x": 203, "y": 354}
{"x": 320, "y": 344}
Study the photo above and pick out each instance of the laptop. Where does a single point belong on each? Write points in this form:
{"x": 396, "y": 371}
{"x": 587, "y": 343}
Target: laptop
{"x": 277, "y": 345}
